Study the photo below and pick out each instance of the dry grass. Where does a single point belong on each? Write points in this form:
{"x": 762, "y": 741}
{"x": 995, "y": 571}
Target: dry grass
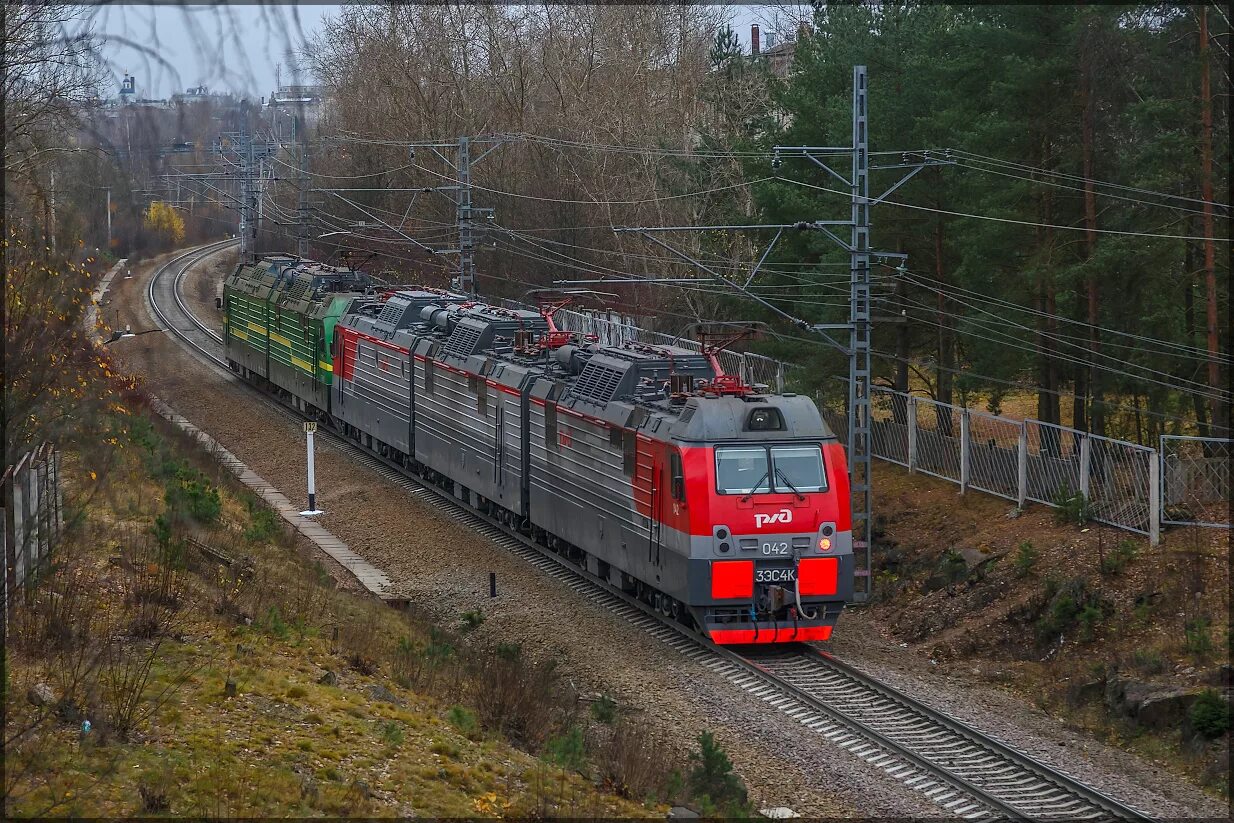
{"x": 201, "y": 680}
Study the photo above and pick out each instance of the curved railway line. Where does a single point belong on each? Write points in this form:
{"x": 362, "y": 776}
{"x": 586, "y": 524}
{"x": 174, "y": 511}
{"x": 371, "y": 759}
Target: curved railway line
{"x": 965, "y": 772}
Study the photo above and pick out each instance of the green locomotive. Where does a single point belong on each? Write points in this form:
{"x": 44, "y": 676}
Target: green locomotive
{"x": 278, "y": 323}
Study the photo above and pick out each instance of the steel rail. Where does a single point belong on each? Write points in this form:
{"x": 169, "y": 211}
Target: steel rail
{"x": 873, "y": 721}
{"x": 855, "y": 685}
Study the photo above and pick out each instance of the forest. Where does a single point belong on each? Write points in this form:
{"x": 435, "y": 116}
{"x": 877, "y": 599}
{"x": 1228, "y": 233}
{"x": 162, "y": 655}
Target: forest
{"x": 1073, "y": 246}
{"x": 1067, "y": 248}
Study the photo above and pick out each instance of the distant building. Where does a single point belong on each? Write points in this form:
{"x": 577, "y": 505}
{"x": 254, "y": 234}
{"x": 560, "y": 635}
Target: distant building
{"x": 128, "y": 89}
{"x": 201, "y": 94}
{"x": 779, "y": 56}
{"x": 295, "y": 107}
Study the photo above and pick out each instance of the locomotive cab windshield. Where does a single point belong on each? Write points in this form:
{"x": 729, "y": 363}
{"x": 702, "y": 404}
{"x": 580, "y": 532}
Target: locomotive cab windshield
{"x": 749, "y": 470}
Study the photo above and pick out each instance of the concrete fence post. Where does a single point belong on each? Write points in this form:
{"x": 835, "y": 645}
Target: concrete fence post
{"x": 1086, "y": 456}
{"x": 30, "y": 505}
{"x": 1021, "y": 465}
{"x": 1154, "y": 498}
{"x": 965, "y": 449}
{"x": 59, "y": 493}
{"x": 42, "y": 483}
{"x": 20, "y": 537}
{"x": 912, "y": 432}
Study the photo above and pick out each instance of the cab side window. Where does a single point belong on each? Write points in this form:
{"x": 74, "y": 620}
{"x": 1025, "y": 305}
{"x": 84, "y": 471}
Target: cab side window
{"x": 677, "y": 482}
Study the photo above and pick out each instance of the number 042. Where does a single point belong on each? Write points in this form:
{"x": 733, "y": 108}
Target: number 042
{"x": 775, "y": 548}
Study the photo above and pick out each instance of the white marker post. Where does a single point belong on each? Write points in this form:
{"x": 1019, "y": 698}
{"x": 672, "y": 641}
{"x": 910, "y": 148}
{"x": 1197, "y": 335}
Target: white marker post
{"x": 309, "y": 430}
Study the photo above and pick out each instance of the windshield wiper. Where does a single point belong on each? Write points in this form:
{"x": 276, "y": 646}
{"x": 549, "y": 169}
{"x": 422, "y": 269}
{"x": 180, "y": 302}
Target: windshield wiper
{"x": 754, "y": 488}
{"x": 781, "y": 476}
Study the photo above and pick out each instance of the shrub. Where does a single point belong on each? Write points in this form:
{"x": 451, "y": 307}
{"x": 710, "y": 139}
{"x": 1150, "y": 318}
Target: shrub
{"x": 567, "y": 750}
{"x": 522, "y": 699}
{"x": 276, "y": 625}
{"x": 1148, "y": 661}
{"x": 1118, "y": 558}
{"x": 391, "y": 733}
{"x": 634, "y": 763}
{"x": 461, "y": 719}
{"x": 1025, "y": 559}
{"x": 263, "y": 523}
{"x": 406, "y": 662}
{"x": 153, "y": 789}
{"x": 189, "y": 492}
{"x": 604, "y": 709}
{"x": 712, "y": 780}
{"x": 472, "y": 620}
{"x": 1071, "y": 507}
{"x": 1196, "y": 639}
{"x": 1210, "y": 714}
{"x": 1089, "y": 617}
{"x": 1068, "y": 605}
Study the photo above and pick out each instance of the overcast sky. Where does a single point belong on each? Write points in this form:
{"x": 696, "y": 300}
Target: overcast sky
{"x": 228, "y": 47}
{"x": 236, "y": 47}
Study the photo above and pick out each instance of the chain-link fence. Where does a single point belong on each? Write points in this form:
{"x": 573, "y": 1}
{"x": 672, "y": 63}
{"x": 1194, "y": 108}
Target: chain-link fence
{"x": 1195, "y": 481}
{"x": 1052, "y": 462}
{"x": 937, "y": 444}
{"x": 889, "y": 426}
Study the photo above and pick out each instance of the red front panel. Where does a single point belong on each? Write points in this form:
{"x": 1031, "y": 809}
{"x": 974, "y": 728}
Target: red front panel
{"x": 818, "y": 575}
{"x": 731, "y": 579}
{"x": 781, "y": 634}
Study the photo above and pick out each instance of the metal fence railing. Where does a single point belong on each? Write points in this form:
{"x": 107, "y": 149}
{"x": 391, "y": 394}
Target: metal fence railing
{"x": 994, "y": 456}
{"x": 1195, "y": 481}
{"x": 33, "y": 501}
{"x": 1119, "y": 482}
{"x": 1030, "y": 460}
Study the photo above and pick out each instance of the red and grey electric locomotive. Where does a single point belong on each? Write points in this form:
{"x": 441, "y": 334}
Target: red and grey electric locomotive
{"x": 722, "y": 506}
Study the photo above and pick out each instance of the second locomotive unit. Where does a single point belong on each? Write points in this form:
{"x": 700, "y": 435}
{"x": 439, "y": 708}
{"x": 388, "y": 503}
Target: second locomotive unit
{"x": 724, "y": 507}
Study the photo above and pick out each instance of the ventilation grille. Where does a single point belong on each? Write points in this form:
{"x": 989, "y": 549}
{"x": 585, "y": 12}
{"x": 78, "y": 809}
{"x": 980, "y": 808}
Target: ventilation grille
{"x": 687, "y": 413}
{"x": 463, "y": 340}
{"x": 299, "y": 288}
{"x": 392, "y": 312}
{"x": 597, "y": 383}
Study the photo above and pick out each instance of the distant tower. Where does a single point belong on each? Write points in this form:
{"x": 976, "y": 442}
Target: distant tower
{"x": 128, "y": 88}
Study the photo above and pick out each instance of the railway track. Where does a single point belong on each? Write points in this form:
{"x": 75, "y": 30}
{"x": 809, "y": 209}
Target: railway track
{"x": 966, "y": 773}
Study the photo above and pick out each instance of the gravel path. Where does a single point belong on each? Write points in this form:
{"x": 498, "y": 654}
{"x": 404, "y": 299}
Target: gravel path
{"x": 444, "y": 567}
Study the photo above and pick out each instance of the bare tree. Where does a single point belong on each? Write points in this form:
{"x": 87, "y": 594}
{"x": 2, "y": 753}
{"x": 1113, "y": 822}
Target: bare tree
{"x": 579, "y": 89}
{"x": 51, "y": 71}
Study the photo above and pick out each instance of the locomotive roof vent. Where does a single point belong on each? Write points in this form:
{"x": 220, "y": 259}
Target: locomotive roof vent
{"x": 393, "y": 310}
{"x": 463, "y": 339}
{"x": 598, "y": 382}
